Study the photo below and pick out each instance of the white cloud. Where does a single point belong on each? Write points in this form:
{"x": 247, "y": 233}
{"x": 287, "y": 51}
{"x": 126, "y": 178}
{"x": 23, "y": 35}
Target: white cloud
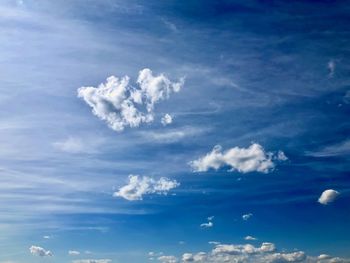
{"x": 328, "y": 196}
{"x": 70, "y": 145}
{"x": 173, "y": 135}
{"x": 142, "y": 185}
{"x": 209, "y": 224}
{"x": 331, "y": 68}
{"x": 39, "y": 251}
{"x": 244, "y": 160}
{"x": 120, "y": 105}
{"x": 168, "y": 259}
{"x": 338, "y": 149}
{"x": 167, "y": 119}
{"x": 247, "y": 253}
{"x": 245, "y": 217}
{"x": 46, "y": 237}
{"x": 73, "y": 253}
{"x": 250, "y": 238}
{"x": 92, "y": 261}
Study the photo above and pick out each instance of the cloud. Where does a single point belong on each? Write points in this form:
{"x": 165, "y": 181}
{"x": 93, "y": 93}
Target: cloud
{"x": 328, "y": 196}
{"x": 121, "y": 105}
{"x": 331, "y": 68}
{"x": 250, "y": 238}
{"x": 139, "y": 186}
{"x": 167, "y": 119}
{"x": 70, "y": 145}
{"x": 73, "y": 253}
{"x": 168, "y": 259}
{"x": 338, "y": 149}
{"x": 247, "y": 253}
{"x": 39, "y": 251}
{"x": 209, "y": 224}
{"x": 244, "y": 160}
{"x": 46, "y": 237}
{"x": 245, "y": 217}
{"x": 92, "y": 261}
{"x": 173, "y": 135}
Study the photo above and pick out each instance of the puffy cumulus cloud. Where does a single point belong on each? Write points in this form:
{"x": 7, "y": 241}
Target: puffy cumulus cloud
{"x": 121, "y": 105}
{"x": 39, "y": 251}
{"x": 92, "y": 261}
{"x": 138, "y": 186}
{"x": 247, "y": 253}
{"x": 246, "y": 217}
{"x": 73, "y": 253}
{"x": 166, "y": 119}
{"x": 168, "y": 259}
{"x": 244, "y": 160}
{"x": 328, "y": 196}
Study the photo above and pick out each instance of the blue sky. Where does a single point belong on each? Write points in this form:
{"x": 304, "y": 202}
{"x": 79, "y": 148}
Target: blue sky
{"x": 232, "y": 122}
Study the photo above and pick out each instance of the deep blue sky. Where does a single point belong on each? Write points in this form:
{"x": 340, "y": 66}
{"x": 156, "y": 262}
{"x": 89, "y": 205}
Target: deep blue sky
{"x": 273, "y": 73}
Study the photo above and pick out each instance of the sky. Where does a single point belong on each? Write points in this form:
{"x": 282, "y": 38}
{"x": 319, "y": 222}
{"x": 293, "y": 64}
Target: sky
{"x": 174, "y": 131}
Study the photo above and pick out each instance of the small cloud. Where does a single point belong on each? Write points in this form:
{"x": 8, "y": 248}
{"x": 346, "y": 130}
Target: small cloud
{"x": 73, "y": 253}
{"x": 250, "y": 238}
{"x": 331, "y": 68}
{"x": 244, "y": 160}
{"x": 167, "y": 119}
{"x": 209, "y": 224}
{"x": 182, "y": 242}
{"x": 214, "y": 243}
{"x": 246, "y": 217}
{"x": 39, "y": 251}
{"x": 92, "y": 261}
{"x": 281, "y": 156}
{"x": 168, "y": 259}
{"x": 70, "y": 145}
{"x": 138, "y": 186}
{"x": 47, "y": 237}
{"x": 328, "y": 196}
{"x": 170, "y": 25}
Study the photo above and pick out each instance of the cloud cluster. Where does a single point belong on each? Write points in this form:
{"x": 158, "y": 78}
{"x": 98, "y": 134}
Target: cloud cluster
{"x": 244, "y": 160}
{"x": 328, "y": 196}
{"x": 121, "y": 105}
{"x": 141, "y": 185}
{"x": 247, "y": 253}
{"x": 39, "y": 251}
